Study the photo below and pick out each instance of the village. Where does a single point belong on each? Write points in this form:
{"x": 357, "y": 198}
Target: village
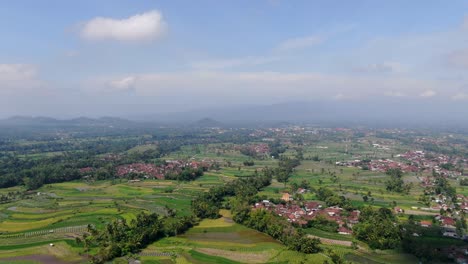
{"x": 155, "y": 171}
{"x": 301, "y": 213}
{"x": 448, "y": 222}
{"x": 417, "y": 162}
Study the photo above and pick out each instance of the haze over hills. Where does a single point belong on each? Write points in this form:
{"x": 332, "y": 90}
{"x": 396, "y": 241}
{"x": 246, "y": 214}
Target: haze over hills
{"x": 400, "y": 113}
{"x": 207, "y": 122}
{"x": 49, "y": 121}
{"x": 403, "y": 113}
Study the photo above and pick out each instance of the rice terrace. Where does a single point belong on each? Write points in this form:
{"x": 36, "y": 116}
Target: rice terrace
{"x": 227, "y": 195}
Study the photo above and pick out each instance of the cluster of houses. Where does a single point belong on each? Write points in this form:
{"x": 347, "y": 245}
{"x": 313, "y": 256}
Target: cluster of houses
{"x": 448, "y": 222}
{"x": 380, "y": 146}
{"x": 159, "y": 171}
{"x": 258, "y": 149}
{"x": 444, "y": 203}
{"x": 412, "y": 161}
{"x": 419, "y": 159}
{"x": 300, "y": 215}
{"x": 383, "y": 165}
{"x": 380, "y": 165}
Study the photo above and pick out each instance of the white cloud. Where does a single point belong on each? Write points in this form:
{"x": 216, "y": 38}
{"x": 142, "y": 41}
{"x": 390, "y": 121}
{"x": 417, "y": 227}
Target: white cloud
{"x": 339, "y": 96}
{"x": 428, "y": 93}
{"x": 300, "y": 43}
{"x": 125, "y": 83}
{"x": 17, "y": 72}
{"x": 460, "y": 96}
{"x": 145, "y": 26}
{"x": 394, "y": 94}
{"x": 385, "y": 67}
{"x": 18, "y": 79}
{"x": 231, "y": 63}
{"x": 224, "y": 85}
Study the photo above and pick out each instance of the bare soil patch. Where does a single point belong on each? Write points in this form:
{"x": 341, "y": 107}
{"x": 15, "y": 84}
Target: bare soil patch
{"x": 236, "y": 256}
{"x": 46, "y": 259}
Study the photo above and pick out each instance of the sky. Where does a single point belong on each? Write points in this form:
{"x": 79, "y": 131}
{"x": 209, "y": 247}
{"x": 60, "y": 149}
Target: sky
{"x": 129, "y": 58}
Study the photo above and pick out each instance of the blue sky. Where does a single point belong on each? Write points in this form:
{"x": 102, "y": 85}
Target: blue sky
{"x": 72, "y": 58}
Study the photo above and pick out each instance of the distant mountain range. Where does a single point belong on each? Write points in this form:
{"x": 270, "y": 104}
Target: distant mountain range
{"x": 333, "y": 113}
{"x": 48, "y": 121}
{"x": 207, "y": 122}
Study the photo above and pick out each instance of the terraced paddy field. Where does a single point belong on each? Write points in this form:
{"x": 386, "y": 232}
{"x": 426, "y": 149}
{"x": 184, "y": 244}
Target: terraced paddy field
{"x": 54, "y": 212}
{"x": 223, "y": 241}
{"x": 58, "y": 213}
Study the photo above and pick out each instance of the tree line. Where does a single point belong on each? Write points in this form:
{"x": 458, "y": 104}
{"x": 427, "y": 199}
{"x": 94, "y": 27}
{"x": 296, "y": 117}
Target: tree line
{"x": 120, "y": 238}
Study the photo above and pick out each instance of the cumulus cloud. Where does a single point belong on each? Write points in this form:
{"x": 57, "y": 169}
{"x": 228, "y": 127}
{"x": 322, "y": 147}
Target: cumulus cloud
{"x": 343, "y": 97}
{"x": 125, "y": 83}
{"x": 300, "y": 43}
{"x": 224, "y": 85}
{"x": 17, "y": 72}
{"x": 460, "y": 97}
{"x": 140, "y": 27}
{"x": 16, "y": 79}
{"x": 385, "y": 67}
{"x": 428, "y": 93}
{"x": 394, "y": 94}
{"x": 231, "y": 63}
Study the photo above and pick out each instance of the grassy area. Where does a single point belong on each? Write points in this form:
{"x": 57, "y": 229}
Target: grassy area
{"x": 324, "y": 234}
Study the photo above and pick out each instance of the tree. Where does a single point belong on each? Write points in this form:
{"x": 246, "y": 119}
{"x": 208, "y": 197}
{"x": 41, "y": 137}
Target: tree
{"x": 396, "y": 183}
{"x": 283, "y": 176}
{"x": 309, "y": 245}
{"x": 304, "y": 184}
{"x": 425, "y": 200}
{"x": 379, "y": 228}
{"x": 249, "y": 163}
{"x": 464, "y": 182}
{"x": 459, "y": 228}
{"x": 335, "y": 258}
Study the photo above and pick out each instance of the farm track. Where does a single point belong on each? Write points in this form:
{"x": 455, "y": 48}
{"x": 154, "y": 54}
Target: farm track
{"x": 61, "y": 230}
{"x": 333, "y": 241}
{"x": 414, "y": 212}
{"x": 157, "y": 254}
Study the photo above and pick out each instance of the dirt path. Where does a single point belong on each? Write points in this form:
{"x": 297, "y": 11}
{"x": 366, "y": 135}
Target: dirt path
{"x": 244, "y": 257}
{"x": 333, "y": 241}
{"x": 46, "y": 259}
{"x": 414, "y": 212}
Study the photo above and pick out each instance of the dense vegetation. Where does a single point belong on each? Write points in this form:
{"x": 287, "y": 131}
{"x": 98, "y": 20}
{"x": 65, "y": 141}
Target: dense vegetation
{"x": 277, "y": 227}
{"x": 120, "y": 238}
{"x": 379, "y": 228}
{"x": 207, "y": 205}
{"x": 332, "y": 199}
{"x": 396, "y": 183}
{"x": 187, "y": 174}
